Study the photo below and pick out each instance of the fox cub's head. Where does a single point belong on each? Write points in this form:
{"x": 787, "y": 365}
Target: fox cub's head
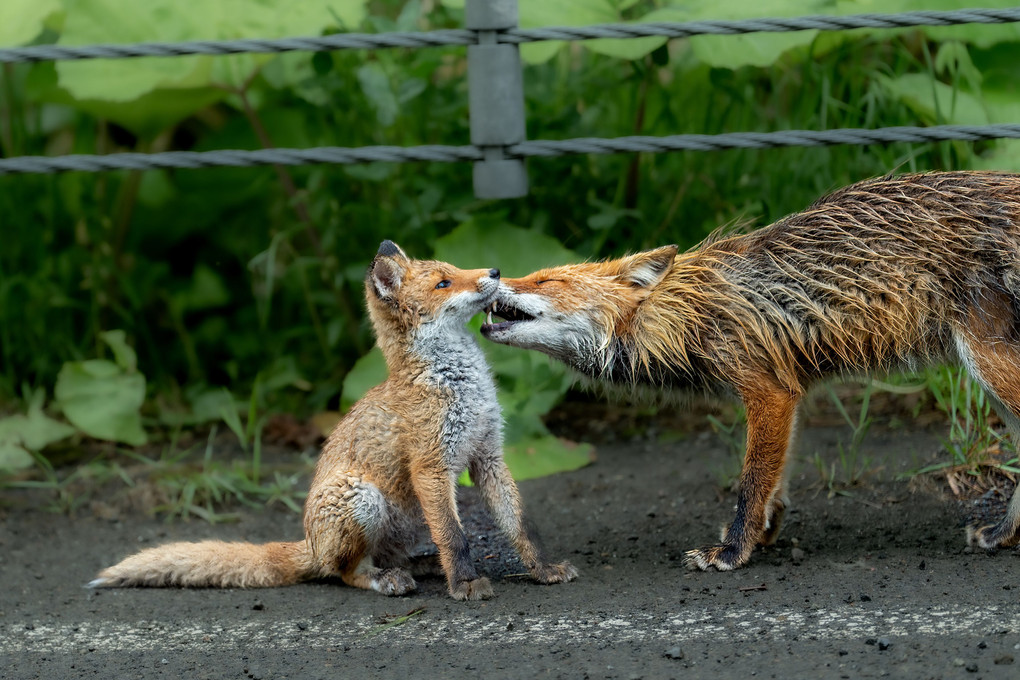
{"x": 424, "y": 297}
{"x": 573, "y": 312}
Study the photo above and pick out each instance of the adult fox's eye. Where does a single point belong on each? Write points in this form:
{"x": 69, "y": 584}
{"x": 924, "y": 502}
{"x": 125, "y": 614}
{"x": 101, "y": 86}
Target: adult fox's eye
{"x": 445, "y": 283}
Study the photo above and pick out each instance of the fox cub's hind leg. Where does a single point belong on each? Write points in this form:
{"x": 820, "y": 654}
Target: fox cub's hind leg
{"x": 771, "y": 429}
{"x": 345, "y": 522}
{"x": 996, "y": 365}
{"x": 503, "y": 500}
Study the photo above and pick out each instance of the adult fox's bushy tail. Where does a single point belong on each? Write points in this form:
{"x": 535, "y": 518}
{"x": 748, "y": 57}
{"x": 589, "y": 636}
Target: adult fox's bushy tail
{"x": 214, "y": 564}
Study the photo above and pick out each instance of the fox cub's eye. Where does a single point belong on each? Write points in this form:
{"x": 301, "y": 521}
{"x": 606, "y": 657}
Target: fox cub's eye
{"x": 445, "y": 283}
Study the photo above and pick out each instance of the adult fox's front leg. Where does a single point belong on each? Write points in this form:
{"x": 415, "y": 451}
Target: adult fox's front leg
{"x": 771, "y": 427}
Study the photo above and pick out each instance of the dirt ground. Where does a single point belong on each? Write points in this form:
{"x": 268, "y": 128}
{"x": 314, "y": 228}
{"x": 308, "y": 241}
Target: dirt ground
{"x": 875, "y": 583}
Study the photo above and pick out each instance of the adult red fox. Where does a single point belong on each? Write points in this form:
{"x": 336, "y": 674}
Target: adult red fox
{"x": 888, "y": 273}
{"x": 392, "y": 462}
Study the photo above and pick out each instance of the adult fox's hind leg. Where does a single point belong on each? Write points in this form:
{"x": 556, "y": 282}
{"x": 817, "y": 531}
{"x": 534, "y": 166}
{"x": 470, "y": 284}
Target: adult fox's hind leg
{"x": 995, "y": 363}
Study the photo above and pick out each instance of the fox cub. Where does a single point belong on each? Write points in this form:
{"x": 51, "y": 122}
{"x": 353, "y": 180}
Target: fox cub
{"x": 391, "y": 465}
{"x": 888, "y": 273}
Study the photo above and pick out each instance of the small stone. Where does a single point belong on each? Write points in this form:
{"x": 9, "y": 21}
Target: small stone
{"x": 971, "y": 668}
{"x": 258, "y": 606}
{"x": 884, "y": 644}
{"x": 797, "y": 554}
{"x": 1003, "y": 660}
{"x": 922, "y": 566}
{"x": 864, "y": 598}
{"x": 843, "y": 652}
{"x": 302, "y": 625}
{"x": 982, "y": 645}
{"x": 871, "y": 641}
{"x": 958, "y": 662}
{"x": 674, "y": 653}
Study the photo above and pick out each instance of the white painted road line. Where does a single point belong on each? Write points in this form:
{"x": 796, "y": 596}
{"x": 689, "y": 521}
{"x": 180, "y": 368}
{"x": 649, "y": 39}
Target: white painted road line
{"x": 692, "y": 625}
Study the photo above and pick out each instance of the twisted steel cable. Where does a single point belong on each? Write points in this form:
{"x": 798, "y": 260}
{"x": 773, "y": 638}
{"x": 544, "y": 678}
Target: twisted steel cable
{"x": 345, "y": 41}
{"x": 544, "y": 148}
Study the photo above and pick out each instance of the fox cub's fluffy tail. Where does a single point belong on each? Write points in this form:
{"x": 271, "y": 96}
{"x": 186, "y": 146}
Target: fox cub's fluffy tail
{"x": 214, "y": 564}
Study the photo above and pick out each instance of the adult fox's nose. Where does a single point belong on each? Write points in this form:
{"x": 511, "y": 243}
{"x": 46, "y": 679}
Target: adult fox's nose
{"x": 493, "y": 273}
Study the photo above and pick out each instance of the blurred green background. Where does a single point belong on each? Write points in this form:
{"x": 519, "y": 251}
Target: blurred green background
{"x": 136, "y": 303}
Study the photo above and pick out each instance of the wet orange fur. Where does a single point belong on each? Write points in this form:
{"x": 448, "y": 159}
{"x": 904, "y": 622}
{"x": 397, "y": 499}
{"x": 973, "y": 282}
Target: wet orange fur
{"x": 892, "y": 272}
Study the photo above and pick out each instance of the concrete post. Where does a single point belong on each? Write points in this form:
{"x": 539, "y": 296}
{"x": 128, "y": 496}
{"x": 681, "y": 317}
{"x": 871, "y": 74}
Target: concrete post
{"x": 496, "y": 100}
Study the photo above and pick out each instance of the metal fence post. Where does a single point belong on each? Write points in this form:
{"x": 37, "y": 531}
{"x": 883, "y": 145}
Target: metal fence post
{"x": 496, "y": 100}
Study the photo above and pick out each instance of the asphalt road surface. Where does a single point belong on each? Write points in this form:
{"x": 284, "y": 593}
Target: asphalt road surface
{"x": 877, "y": 583}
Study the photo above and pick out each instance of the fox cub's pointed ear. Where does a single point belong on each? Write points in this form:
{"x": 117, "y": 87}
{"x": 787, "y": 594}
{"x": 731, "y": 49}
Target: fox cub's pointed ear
{"x": 390, "y": 249}
{"x": 646, "y": 269}
{"x": 385, "y": 276}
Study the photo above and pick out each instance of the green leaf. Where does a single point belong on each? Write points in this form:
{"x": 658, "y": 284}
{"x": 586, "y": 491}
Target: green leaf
{"x": 126, "y": 80}
{"x": 101, "y": 400}
{"x": 23, "y": 20}
{"x": 752, "y": 49}
{"x": 13, "y": 457}
{"x": 541, "y": 13}
{"x": 376, "y": 86}
{"x": 935, "y": 101}
{"x": 367, "y": 372}
{"x": 122, "y": 352}
{"x": 205, "y": 291}
{"x": 542, "y": 456}
{"x": 477, "y": 244}
{"x": 33, "y": 431}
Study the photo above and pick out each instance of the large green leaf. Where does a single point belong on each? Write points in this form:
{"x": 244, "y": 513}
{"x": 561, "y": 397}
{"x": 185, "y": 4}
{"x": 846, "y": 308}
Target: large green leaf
{"x": 542, "y": 13}
{"x": 148, "y": 115}
{"x": 23, "y": 20}
{"x": 367, "y": 372}
{"x": 935, "y": 101}
{"x": 125, "y": 80}
{"x": 478, "y": 244}
{"x": 751, "y": 49}
{"x": 102, "y": 400}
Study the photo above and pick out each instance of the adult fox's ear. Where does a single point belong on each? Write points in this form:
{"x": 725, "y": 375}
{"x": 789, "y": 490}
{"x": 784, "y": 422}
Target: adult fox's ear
{"x": 390, "y": 249}
{"x": 646, "y": 269}
{"x": 385, "y": 275}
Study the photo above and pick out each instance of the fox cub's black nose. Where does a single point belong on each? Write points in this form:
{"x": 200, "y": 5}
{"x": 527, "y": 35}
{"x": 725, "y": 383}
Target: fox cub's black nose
{"x": 493, "y": 273}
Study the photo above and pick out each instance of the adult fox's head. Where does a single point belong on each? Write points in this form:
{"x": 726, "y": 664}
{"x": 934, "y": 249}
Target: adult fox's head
{"x": 574, "y": 312}
{"x": 419, "y": 299}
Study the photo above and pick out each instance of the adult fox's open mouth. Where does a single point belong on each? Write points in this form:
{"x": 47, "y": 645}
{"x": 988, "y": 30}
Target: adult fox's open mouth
{"x": 508, "y": 314}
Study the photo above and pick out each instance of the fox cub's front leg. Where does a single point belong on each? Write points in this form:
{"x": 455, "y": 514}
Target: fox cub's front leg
{"x": 493, "y": 479}
{"x": 436, "y": 490}
{"x": 771, "y": 415}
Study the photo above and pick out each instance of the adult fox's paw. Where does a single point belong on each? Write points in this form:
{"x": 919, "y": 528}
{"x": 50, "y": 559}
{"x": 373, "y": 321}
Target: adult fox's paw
{"x": 992, "y": 536}
{"x": 554, "y": 573}
{"x": 478, "y": 589}
{"x": 721, "y": 557}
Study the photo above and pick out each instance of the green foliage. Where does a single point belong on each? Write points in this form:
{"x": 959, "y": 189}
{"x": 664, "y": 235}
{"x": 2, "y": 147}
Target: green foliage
{"x": 969, "y": 409}
{"x": 23, "y": 435}
{"x": 23, "y": 20}
{"x": 250, "y": 280}
{"x": 103, "y": 398}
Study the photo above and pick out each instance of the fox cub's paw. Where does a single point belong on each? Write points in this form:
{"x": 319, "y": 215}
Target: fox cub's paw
{"x": 990, "y": 537}
{"x": 554, "y": 573}
{"x": 479, "y": 589}
{"x": 721, "y": 557}
{"x": 393, "y": 582}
